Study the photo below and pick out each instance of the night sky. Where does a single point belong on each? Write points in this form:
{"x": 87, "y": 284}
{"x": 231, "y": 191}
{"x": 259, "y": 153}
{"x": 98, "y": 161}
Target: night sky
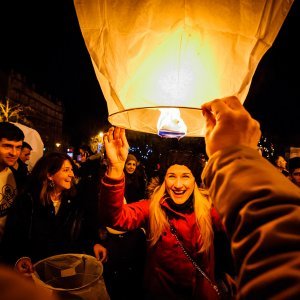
{"x": 42, "y": 40}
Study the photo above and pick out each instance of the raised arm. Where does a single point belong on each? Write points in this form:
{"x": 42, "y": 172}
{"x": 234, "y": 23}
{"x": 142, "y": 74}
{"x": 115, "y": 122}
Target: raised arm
{"x": 259, "y": 206}
{"x": 229, "y": 124}
{"x": 116, "y": 148}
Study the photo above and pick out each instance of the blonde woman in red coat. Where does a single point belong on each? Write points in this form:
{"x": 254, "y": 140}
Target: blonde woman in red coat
{"x": 176, "y": 204}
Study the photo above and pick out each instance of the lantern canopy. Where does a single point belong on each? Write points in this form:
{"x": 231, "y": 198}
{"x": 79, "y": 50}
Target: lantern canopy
{"x": 154, "y": 57}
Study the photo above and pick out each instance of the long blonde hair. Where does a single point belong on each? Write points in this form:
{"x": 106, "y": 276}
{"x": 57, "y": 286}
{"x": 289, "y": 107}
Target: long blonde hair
{"x": 158, "y": 219}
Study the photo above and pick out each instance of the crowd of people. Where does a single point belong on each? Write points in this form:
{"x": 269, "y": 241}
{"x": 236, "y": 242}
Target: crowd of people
{"x": 224, "y": 229}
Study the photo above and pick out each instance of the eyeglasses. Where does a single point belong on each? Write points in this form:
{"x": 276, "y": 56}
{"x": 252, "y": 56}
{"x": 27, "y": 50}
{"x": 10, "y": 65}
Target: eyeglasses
{"x": 296, "y": 174}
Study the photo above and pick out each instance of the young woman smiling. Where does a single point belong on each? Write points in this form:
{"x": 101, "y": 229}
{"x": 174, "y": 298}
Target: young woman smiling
{"x": 49, "y": 218}
{"x": 180, "y": 221}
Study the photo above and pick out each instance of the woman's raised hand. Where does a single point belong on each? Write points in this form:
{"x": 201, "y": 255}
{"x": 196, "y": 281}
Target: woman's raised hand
{"x": 116, "y": 148}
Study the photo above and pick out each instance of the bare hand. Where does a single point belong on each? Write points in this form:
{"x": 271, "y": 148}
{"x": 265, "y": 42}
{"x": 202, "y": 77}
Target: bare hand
{"x": 100, "y": 253}
{"x": 228, "y": 124}
{"x": 116, "y": 148}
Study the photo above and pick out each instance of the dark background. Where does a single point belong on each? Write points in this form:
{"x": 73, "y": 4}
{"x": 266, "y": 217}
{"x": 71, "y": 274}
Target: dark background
{"x": 42, "y": 40}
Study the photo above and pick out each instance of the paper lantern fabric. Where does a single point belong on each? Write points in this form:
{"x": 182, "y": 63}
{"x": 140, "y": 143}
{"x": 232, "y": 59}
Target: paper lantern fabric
{"x": 175, "y": 53}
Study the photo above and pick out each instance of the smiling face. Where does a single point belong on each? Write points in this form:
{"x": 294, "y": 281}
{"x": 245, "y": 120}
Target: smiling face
{"x": 9, "y": 152}
{"x": 64, "y": 177}
{"x": 180, "y": 183}
{"x": 130, "y": 166}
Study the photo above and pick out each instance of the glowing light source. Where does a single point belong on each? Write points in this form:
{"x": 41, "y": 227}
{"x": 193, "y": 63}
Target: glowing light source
{"x": 170, "y": 124}
{"x": 151, "y": 56}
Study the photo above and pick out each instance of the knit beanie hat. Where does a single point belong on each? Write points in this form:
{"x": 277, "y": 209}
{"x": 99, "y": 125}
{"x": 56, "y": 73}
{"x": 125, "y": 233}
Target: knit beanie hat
{"x": 131, "y": 157}
{"x": 181, "y": 157}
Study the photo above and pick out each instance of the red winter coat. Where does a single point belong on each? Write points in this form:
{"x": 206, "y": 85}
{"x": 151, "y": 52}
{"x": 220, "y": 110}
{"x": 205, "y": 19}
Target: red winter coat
{"x": 169, "y": 274}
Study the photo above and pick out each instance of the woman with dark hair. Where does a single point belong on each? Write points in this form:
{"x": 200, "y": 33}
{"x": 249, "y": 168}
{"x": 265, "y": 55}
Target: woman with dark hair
{"x": 49, "y": 218}
{"x": 135, "y": 180}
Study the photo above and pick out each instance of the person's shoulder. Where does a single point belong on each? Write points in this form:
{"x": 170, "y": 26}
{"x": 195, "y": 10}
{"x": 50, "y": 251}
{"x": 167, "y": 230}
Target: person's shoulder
{"x": 20, "y": 162}
{"x": 23, "y": 202}
{"x": 22, "y": 167}
{"x": 10, "y": 169}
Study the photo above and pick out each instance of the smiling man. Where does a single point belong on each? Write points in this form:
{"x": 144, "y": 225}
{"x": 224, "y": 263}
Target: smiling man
{"x": 11, "y": 139}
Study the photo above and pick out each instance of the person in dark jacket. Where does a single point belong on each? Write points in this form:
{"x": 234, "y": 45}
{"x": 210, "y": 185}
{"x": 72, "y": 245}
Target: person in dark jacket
{"x": 123, "y": 271}
{"x": 48, "y": 218}
{"x": 135, "y": 180}
{"x": 20, "y": 168}
{"x": 11, "y": 139}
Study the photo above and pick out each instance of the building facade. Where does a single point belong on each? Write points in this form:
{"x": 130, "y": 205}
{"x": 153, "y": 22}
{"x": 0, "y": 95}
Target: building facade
{"x": 44, "y": 113}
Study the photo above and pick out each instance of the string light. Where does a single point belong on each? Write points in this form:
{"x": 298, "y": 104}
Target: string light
{"x": 267, "y": 148}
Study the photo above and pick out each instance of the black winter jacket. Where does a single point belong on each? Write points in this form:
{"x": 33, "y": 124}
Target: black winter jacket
{"x": 34, "y": 230}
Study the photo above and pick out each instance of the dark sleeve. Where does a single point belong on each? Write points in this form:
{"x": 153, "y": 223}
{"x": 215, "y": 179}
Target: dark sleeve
{"x": 15, "y": 242}
{"x": 224, "y": 262}
{"x": 90, "y": 223}
{"x": 91, "y": 228}
{"x": 260, "y": 209}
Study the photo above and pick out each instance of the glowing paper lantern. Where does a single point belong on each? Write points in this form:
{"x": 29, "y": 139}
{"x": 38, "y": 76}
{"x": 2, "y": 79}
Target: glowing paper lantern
{"x": 150, "y": 56}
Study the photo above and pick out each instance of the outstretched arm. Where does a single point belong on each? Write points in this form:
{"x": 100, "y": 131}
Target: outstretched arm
{"x": 260, "y": 207}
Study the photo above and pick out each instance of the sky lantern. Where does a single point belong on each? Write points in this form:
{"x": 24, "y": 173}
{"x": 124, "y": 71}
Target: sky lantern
{"x": 157, "y": 61}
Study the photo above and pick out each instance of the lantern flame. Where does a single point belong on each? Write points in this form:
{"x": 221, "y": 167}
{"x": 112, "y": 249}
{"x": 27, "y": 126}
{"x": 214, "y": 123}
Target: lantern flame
{"x": 170, "y": 124}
